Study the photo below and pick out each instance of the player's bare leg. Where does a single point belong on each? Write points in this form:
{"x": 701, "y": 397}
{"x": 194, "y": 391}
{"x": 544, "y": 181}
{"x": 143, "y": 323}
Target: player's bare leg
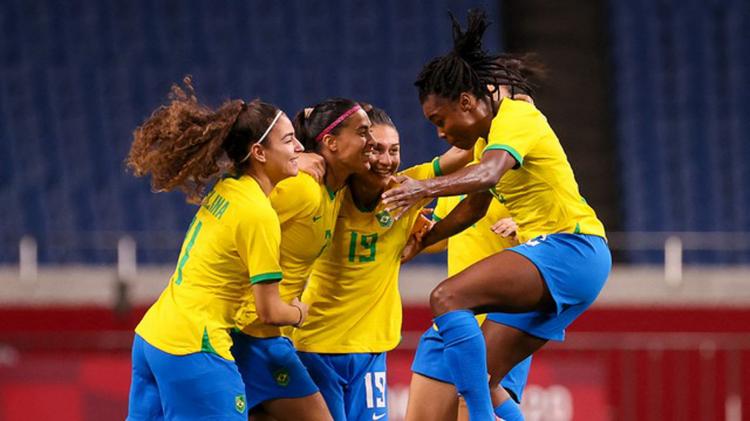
{"x": 308, "y": 408}
{"x": 430, "y": 399}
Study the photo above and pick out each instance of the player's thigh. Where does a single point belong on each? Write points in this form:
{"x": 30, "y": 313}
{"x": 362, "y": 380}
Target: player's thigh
{"x": 200, "y": 385}
{"x": 260, "y": 414}
{"x": 431, "y": 399}
{"x": 323, "y": 370}
{"x": 463, "y": 410}
{"x": 503, "y": 282}
{"x": 144, "y": 402}
{"x": 271, "y": 369}
{"x": 507, "y": 347}
{"x": 308, "y": 408}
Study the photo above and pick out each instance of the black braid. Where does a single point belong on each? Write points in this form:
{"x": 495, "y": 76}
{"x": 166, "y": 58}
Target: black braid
{"x": 469, "y": 68}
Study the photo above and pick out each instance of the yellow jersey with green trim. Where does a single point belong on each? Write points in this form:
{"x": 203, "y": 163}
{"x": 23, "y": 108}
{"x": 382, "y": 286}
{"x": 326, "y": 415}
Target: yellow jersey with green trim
{"x": 355, "y": 304}
{"x": 307, "y": 211}
{"x": 233, "y": 242}
{"x": 540, "y": 192}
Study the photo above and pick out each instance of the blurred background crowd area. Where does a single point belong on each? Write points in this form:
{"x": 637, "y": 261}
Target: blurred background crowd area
{"x": 650, "y": 100}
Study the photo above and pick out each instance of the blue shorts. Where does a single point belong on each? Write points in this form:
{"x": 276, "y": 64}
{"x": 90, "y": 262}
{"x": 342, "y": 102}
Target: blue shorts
{"x": 353, "y": 385}
{"x": 270, "y": 369}
{"x": 194, "y": 386}
{"x": 575, "y": 268}
{"x": 429, "y": 362}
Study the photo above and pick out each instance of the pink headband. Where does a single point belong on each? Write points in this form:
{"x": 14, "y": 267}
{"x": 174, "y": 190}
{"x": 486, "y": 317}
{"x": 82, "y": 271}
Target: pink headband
{"x": 338, "y": 121}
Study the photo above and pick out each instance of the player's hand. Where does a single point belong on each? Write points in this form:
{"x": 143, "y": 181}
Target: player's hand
{"x": 412, "y": 248}
{"x": 401, "y": 198}
{"x": 304, "y": 308}
{"x": 312, "y": 164}
{"x": 505, "y": 228}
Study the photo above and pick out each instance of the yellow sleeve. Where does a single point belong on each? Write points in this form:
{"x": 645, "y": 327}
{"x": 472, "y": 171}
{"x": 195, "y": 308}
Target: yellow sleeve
{"x": 514, "y": 129}
{"x": 479, "y": 149}
{"x": 423, "y": 171}
{"x": 258, "y": 240}
{"x": 295, "y": 197}
{"x": 441, "y": 209}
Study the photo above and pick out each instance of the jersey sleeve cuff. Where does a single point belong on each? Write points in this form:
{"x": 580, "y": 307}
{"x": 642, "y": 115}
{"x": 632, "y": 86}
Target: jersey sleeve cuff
{"x": 436, "y": 167}
{"x": 507, "y": 148}
{"x": 266, "y": 277}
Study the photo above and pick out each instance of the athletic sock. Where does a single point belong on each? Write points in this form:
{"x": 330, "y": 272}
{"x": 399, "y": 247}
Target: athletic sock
{"x": 509, "y": 411}
{"x": 465, "y": 354}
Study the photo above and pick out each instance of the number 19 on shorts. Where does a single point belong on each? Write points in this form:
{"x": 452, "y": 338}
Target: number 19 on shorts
{"x": 375, "y": 389}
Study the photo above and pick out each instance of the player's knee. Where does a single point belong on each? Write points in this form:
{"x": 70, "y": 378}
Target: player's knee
{"x": 443, "y": 299}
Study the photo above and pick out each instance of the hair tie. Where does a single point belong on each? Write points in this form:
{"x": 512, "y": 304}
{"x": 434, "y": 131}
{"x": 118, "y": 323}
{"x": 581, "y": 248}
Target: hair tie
{"x": 338, "y": 121}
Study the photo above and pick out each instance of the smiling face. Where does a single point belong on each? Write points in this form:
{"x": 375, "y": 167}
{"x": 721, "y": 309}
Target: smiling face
{"x": 281, "y": 150}
{"x": 354, "y": 141}
{"x": 456, "y": 120}
{"x": 386, "y": 152}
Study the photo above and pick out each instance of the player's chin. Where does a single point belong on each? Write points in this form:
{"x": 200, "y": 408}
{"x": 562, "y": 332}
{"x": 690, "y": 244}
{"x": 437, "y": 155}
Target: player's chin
{"x": 463, "y": 144}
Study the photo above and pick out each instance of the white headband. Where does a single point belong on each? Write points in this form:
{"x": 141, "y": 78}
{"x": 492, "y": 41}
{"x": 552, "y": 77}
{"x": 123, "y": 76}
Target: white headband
{"x": 268, "y": 130}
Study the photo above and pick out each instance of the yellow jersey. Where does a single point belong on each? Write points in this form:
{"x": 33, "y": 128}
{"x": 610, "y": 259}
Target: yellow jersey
{"x": 540, "y": 192}
{"x": 355, "y": 304}
{"x": 232, "y": 243}
{"x": 307, "y": 211}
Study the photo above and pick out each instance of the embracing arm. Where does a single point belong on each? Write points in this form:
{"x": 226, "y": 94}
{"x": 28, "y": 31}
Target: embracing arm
{"x": 471, "y": 179}
{"x": 464, "y": 215}
{"x": 272, "y": 310}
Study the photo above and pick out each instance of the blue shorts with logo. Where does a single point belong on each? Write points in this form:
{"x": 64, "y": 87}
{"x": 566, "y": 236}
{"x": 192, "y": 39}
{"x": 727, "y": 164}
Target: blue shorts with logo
{"x": 575, "y": 268}
{"x": 353, "y": 385}
{"x": 194, "y": 386}
{"x": 429, "y": 362}
{"x": 270, "y": 369}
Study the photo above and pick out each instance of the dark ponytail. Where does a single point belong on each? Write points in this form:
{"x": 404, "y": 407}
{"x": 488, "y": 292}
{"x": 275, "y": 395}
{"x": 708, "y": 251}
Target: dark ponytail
{"x": 310, "y": 122}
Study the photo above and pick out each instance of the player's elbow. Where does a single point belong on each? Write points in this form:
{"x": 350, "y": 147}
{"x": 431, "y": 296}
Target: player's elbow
{"x": 487, "y": 176}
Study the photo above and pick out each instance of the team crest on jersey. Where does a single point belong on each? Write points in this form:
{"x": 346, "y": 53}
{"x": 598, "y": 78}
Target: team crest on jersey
{"x": 239, "y": 403}
{"x": 281, "y": 376}
{"x": 384, "y": 219}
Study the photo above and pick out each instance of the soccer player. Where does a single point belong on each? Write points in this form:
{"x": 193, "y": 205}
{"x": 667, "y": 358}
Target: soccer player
{"x": 432, "y": 394}
{"x": 182, "y": 365}
{"x": 356, "y": 315}
{"x": 276, "y": 380}
{"x": 563, "y": 264}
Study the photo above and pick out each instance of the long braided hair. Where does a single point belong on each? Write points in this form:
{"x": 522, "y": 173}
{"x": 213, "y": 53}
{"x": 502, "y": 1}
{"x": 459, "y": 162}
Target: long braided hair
{"x": 469, "y": 68}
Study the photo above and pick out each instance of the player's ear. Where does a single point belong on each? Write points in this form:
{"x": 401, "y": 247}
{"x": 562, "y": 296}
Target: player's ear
{"x": 330, "y": 142}
{"x": 467, "y": 101}
{"x": 258, "y": 153}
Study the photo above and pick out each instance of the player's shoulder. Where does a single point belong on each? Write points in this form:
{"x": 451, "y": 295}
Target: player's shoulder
{"x": 420, "y": 171}
{"x": 512, "y": 110}
{"x": 300, "y": 188}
